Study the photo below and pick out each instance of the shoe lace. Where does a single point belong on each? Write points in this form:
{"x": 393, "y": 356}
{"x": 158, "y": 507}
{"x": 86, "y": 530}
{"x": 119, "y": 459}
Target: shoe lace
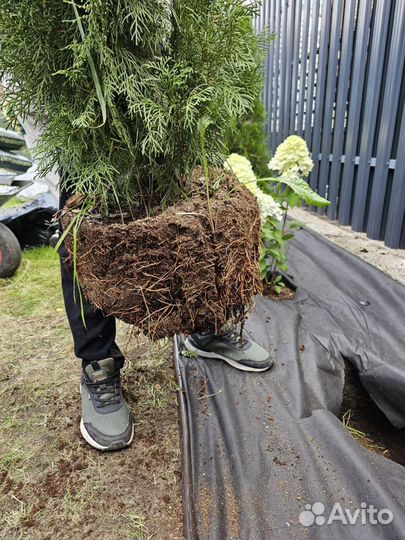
{"x": 106, "y": 392}
{"x": 234, "y": 336}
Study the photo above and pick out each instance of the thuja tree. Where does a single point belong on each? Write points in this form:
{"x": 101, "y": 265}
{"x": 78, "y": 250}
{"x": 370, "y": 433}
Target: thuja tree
{"x": 247, "y": 135}
{"x": 122, "y": 88}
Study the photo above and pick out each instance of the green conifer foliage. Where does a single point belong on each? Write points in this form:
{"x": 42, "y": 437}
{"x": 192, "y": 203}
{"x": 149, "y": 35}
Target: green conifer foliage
{"x": 248, "y": 138}
{"x": 122, "y": 87}
{"x": 247, "y": 135}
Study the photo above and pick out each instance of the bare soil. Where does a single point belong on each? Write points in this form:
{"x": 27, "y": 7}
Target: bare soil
{"x": 52, "y": 484}
{"x": 284, "y": 294}
{"x": 191, "y": 267}
{"x": 367, "y": 423}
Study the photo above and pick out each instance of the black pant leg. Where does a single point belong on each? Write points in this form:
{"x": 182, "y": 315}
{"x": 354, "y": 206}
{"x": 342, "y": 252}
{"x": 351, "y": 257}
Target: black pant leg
{"x": 96, "y": 340}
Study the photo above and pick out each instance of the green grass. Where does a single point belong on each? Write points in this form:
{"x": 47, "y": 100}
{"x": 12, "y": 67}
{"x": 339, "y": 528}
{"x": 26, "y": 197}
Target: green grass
{"x": 159, "y": 395}
{"x": 11, "y": 422}
{"x": 39, "y": 436}
{"x": 137, "y": 528}
{"x": 11, "y": 459}
{"x": 35, "y": 288}
{"x": 363, "y": 438}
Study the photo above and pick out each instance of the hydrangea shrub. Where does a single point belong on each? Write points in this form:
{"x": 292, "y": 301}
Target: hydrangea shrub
{"x": 291, "y": 163}
{"x": 243, "y": 170}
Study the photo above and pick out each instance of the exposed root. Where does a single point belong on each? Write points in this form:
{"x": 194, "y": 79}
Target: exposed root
{"x": 171, "y": 273}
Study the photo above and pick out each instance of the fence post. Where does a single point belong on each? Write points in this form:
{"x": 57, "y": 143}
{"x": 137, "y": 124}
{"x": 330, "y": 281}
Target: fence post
{"x": 332, "y": 67}
{"x": 322, "y": 59}
{"x": 396, "y": 209}
{"x": 372, "y": 92}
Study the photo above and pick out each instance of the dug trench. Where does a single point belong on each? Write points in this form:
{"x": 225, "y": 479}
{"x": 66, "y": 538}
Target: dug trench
{"x": 359, "y": 414}
{"x": 367, "y": 423}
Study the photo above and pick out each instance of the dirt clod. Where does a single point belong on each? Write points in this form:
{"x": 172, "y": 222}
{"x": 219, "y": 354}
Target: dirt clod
{"x": 191, "y": 267}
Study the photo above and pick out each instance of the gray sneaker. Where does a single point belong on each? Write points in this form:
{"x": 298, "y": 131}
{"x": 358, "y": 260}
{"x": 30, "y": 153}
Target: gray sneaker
{"x": 106, "y": 421}
{"x": 238, "y": 351}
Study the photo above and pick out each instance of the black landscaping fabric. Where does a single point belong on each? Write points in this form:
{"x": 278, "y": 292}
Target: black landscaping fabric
{"x": 257, "y": 448}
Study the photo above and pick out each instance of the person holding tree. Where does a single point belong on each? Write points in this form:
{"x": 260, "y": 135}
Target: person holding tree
{"x": 107, "y": 422}
{"x": 121, "y": 90}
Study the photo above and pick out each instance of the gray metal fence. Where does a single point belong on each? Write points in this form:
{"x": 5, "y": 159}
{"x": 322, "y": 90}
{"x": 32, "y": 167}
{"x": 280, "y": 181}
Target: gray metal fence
{"x": 335, "y": 76}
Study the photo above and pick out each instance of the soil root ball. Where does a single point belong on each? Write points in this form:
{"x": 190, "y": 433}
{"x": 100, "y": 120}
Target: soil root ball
{"x": 191, "y": 267}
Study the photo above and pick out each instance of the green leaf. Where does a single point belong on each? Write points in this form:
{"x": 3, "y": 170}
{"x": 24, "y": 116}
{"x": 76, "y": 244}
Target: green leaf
{"x": 274, "y": 253}
{"x": 301, "y": 188}
{"x": 295, "y": 224}
{"x": 288, "y": 236}
{"x": 65, "y": 233}
{"x": 279, "y": 287}
{"x": 293, "y": 199}
{"x": 264, "y": 268}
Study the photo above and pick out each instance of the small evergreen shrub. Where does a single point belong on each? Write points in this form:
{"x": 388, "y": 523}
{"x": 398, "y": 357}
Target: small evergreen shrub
{"x": 123, "y": 88}
{"x": 133, "y": 96}
{"x": 248, "y": 138}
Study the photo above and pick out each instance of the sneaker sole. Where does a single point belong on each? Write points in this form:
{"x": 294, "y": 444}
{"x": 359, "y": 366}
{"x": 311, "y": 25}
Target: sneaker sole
{"x": 237, "y": 365}
{"x": 118, "y": 445}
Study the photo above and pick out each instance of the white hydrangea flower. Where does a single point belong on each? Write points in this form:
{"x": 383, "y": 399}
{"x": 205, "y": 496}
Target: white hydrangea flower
{"x": 242, "y": 168}
{"x": 269, "y": 207}
{"x": 292, "y": 158}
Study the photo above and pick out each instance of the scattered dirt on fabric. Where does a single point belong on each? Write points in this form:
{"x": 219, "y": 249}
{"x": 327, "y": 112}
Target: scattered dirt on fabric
{"x": 190, "y": 267}
{"x": 205, "y": 510}
{"x": 367, "y": 423}
{"x": 233, "y": 514}
{"x": 207, "y": 506}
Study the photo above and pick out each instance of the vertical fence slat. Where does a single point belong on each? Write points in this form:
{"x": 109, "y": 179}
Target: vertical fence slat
{"x": 295, "y": 64}
{"x": 261, "y": 17}
{"x": 303, "y": 67}
{"x": 267, "y": 64}
{"x": 256, "y": 20}
{"x": 373, "y": 86}
{"x": 270, "y": 69}
{"x": 289, "y": 38}
{"x": 388, "y": 118}
{"x": 396, "y": 209}
{"x": 283, "y": 70}
{"x": 273, "y": 120}
{"x": 334, "y": 44}
{"x": 341, "y": 102}
{"x": 321, "y": 71}
{"x": 313, "y": 54}
{"x": 354, "y": 110}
